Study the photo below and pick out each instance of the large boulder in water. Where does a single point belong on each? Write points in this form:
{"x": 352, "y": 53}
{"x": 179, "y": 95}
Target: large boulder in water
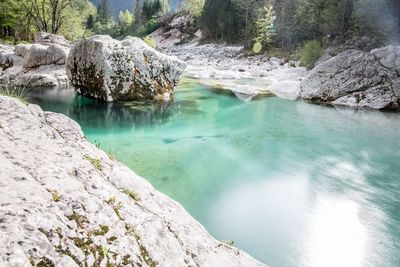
{"x": 110, "y": 70}
{"x": 356, "y": 78}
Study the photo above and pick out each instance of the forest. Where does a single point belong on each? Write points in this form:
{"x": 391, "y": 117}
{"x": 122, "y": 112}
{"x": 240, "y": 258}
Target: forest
{"x": 284, "y": 24}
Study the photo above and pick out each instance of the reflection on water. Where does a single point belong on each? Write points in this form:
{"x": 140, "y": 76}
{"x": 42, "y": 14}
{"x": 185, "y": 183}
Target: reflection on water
{"x": 337, "y": 236}
{"x": 293, "y": 184}
{"x": 108, "y": 116}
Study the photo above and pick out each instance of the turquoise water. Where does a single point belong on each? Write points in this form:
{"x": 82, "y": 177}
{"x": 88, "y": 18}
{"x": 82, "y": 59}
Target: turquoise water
{"x": 291, "y": 183}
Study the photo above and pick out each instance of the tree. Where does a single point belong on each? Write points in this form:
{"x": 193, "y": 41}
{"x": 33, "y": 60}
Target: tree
{"x": 13, "y": 20}
{"x": 164, "y": 7}
{"x": 47, "y": 15}
{"x": 77, "y": 16}
{"x": 246, "y": 9}
{"x": 378, "y": 19}
{"x": 138, "y": 13}
{"x": 90, "y": 22}
{"x": 194, "y": 7}
{"x": 126, "y": 20}
{"x": 104, "y": 13}
{"x": 151, "y": 8}
{"x": 265, "y": 26}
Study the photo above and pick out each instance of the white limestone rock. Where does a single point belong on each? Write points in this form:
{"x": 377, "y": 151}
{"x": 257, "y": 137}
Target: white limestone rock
{"x": 110, "y": 70}
{"x": 39, "y": 55}
{"x": 35, "y": 65}
{"x": 358, "y": 79}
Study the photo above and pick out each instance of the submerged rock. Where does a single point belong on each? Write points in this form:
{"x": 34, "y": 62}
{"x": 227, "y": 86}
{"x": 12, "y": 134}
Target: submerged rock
{"x": 103, "y": 68}
{"x": 358, "y": 79}
{"x": 64, "y": 202}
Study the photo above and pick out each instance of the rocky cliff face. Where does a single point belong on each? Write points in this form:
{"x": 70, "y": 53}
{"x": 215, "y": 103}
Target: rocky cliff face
{"x": 63, "y": 202}
{"x": 110, "y": 70}
{"x": 356, "y": 78}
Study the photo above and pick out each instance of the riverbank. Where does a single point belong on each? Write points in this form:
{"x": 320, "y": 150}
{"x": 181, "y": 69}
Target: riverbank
{"x": 225, "y": 67}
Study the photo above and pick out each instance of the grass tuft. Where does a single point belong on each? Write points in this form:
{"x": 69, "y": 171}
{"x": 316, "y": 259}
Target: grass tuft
{"x": 132, "y": 194}
{"x": 96, "y": 162}
{"x": 228, "y": 242}
{"x": 19, "y": 93}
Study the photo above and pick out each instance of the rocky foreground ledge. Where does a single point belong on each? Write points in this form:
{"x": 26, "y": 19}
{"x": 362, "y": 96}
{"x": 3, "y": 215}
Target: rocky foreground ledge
{"x": 63, "y": 202}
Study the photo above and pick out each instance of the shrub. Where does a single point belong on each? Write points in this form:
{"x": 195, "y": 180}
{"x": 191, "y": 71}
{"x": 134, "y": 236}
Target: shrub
{"x": 150, "y": 41}
{"x": 151, "y": 26}
{"x": 310, "y": 53}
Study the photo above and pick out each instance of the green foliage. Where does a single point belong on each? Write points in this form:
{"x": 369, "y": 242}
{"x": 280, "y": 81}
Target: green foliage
{"x": 380, "y": 19}
{"x": 151, "y": 8}
{"x": 75, "y": 25}
{"x": 265, "y": 26}
{"x": 132, "y": 194}
{"x": 45, "y": 262}
{"x": 310, "y": 53}
{"x": 15, "y": 92}
{"x": 150, "y": 41}
{"x": 96, "y": 163}
{"x": 126, "y": 20}
{"x": 104, "y": 12}
{"x": 228, "y": 242}
{"x": 194, "y": 7}
{"x": 102, "y": 231}
{"x": 66, "y": 17}
{"x": 116, "y": 205}
{"x": 54, "y": 195}
{"x": 151, "y": 26}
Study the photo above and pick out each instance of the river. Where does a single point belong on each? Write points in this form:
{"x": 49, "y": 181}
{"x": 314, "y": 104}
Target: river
{"x": 291, "y": 183}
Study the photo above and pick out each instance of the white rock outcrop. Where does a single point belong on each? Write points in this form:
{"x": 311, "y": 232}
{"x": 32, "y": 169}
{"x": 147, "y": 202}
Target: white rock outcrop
{"x": 63, "y": 202}
{"x": 111, "y": 70}
{"x": 358, "y": 79}
{"x": 224, "y": 67}
{"x": 41, "y": 64}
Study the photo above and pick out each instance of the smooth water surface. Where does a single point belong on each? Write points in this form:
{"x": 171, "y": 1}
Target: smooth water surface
{"x": 291, "y": 183}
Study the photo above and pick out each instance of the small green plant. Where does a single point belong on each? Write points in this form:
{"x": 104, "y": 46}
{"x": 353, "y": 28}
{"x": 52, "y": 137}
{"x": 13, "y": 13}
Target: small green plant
{"x": 55, "y": 195}
{"x": 79, "y": 219}
{"x": 45, "y": 262}
{"x": 95, "y": 162}
{"x": 310, "y": 53}
{"x": 132, "y": 194}
{"x": 111, "y": 239}
{"x": 150, "y": 41}
{"x": 104, "y": 251}
{"x": 15, "y": 92}
{"x": 110, "y": 153}
{"x": 228, "y": 242}
{"x": 116, "y": 205}
{"x": 97, "y": 144}
{"x": 102, "y": 231}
